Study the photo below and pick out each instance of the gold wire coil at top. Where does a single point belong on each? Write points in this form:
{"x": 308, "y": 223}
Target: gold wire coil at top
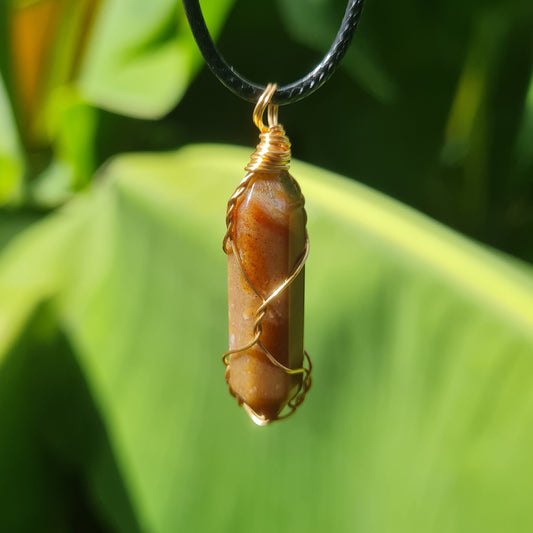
{"x": 273, "y": 153}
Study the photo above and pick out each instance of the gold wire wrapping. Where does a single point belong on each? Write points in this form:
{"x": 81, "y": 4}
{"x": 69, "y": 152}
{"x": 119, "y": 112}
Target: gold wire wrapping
{"x": 272, "y": 155}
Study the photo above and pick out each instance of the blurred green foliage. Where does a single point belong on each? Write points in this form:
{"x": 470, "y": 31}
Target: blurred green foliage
{"x": 114, "y": 415}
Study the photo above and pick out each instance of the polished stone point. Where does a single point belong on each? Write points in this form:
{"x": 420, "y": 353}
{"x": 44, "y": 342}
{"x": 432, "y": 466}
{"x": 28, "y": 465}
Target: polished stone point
{"x": 269, "y": 234}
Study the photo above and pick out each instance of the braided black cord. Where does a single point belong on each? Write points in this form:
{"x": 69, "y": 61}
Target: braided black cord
{"x": 288, "y": 93}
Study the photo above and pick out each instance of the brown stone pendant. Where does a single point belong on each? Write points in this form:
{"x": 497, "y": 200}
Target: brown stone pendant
{"x": 267, "y": 245}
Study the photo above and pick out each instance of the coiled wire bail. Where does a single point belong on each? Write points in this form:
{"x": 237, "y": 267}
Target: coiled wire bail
{"x": 262, "y": 104}
{"x": 273, "y": 153}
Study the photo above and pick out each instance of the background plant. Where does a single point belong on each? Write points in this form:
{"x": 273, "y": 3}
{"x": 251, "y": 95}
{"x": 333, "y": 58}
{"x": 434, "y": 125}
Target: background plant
{"x": 113, "y": 412}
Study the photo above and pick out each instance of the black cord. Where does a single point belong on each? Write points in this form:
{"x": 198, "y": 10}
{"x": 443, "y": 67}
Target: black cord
{"x": 288, "y": 93}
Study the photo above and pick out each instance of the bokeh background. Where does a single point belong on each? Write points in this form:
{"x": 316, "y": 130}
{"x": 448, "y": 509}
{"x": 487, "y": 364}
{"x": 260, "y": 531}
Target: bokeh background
{"x": 118, "y": 151}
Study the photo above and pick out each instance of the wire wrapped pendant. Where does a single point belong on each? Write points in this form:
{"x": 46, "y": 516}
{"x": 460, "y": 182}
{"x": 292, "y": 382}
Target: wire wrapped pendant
{"x": 267, "y": 368}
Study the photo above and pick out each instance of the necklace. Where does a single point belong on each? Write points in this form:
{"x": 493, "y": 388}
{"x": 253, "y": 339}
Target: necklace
{"x": 266, "y": 241}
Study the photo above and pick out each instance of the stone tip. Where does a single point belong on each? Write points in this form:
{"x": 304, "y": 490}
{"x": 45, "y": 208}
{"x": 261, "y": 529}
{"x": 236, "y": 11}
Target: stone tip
{"x": 258, "y": 420}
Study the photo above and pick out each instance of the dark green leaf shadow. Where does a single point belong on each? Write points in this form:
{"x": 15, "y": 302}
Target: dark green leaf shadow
{"x": 57, "y": 472}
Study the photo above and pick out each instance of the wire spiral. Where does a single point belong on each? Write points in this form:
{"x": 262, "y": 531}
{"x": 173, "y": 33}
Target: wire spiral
{"x": 260, "y": 314}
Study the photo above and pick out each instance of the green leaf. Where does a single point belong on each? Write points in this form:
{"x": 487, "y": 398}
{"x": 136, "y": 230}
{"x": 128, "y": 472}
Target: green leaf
{"x": 11, "y": 161}
{"x": 24, "y": 478}
{"x": 141, "y": 56}
{"x": 72, "y": 125}
{"x": 523, "y": 159}
{"x": 12, "y": 222}
{"x": 34, "y": 267}
{"x": 49, "y": 429}
{"x": 420, "y": 416}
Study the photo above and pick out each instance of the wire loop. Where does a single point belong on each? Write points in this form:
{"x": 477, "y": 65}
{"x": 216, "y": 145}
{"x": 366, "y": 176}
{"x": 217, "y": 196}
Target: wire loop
{"x": 262, "y": 104}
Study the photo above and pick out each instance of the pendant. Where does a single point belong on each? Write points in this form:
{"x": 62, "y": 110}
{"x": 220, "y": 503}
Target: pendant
{"x": 267, "y": 368}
